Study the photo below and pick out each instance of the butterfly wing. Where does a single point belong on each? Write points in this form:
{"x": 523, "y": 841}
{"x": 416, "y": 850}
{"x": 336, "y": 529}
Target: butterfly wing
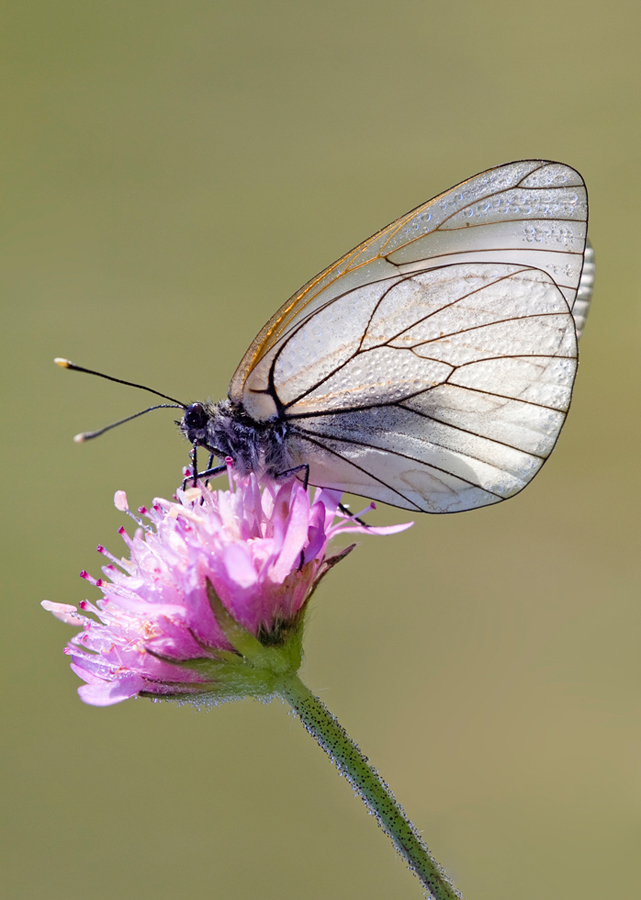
{"x": 432, "y": 366}
{"x": 584, "y": 293}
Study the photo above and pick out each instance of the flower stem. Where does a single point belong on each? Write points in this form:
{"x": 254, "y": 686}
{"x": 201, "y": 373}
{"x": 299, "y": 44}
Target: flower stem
{"x": 376, "y": 795}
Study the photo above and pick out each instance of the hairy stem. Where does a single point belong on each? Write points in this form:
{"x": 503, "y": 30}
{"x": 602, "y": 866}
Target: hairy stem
{"x": 376, "y": 795}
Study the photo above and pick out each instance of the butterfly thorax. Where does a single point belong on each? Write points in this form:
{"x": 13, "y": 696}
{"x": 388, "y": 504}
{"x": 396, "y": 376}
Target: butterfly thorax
{"x": 225, "y": 429}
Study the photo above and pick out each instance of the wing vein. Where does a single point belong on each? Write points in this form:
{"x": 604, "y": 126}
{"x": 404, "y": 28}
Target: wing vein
{"x": 483, "y": 437}
{"x": 477, "y": 327}
{"x": 313, "y": 439}
{"x": 346, "y": 440}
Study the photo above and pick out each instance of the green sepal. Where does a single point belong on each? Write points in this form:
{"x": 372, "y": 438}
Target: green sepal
{"x": 225, "y": 679}
{"x": 251, "y": 669}
{"x": 241, "y": 640}
{"x": 275, "y": 658}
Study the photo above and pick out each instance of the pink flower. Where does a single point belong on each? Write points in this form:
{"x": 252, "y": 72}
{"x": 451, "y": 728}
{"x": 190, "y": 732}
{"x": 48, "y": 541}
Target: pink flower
{"x": 210, "y": 603}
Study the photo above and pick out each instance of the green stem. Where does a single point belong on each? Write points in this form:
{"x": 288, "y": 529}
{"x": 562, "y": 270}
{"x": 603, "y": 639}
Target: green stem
{"x": 376, "y": 795}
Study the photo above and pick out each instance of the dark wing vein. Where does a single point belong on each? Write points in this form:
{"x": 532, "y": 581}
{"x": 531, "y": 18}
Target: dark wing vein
{"x": 313, "y": 439}
{"x": 458, "y": 299}
{"x": 431, "y": 439}
{"x": 476, "y": 328}
{"x": 383, "y": 404}
{"x": 375, "y": 310}
{"x": 345, "y": 440}
{"x": 483, "y": 437}
{"x": 387, "y": 342}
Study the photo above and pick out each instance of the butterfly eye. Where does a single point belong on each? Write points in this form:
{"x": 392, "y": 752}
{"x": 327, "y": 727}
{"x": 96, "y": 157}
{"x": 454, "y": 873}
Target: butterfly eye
{"x": 196, "y": 417}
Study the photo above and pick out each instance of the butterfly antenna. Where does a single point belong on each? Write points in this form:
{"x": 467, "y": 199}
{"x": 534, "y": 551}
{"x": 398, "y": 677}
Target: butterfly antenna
{"x": 88, "y": 435}
{"x": 67, "y": 364}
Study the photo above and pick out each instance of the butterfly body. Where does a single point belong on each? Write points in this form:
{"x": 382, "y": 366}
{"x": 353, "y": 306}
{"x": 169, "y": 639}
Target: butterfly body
{"x": 432, "y": 366}
{"x": 225, "y": 430}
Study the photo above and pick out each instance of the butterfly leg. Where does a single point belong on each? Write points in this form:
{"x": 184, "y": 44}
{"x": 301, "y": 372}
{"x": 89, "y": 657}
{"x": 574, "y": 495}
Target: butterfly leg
{"x": 209, "y": 472}
{"x": 208, "y": 469}
{"x": 345, "y": 509}
{"x": 194, "y": 468}
{"x": 294, "y": 470}
{"x": 193, "y": 455}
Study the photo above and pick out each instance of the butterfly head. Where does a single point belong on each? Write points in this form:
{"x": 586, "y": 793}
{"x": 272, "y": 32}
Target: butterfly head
{"x": 194, "y": 423}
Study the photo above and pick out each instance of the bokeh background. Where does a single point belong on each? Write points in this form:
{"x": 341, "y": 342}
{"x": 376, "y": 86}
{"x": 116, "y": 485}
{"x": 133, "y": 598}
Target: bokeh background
{"x": 171, "y": 171}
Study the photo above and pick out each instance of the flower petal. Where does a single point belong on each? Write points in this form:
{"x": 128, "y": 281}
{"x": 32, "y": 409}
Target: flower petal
{"x": 65, "y": 612}
{"x": 107, "y": 693}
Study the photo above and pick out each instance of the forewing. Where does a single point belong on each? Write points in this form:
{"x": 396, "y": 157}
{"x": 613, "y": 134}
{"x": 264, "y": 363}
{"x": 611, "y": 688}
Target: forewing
{"x": 530, "y": 213}
{"x": 446, "y": 390}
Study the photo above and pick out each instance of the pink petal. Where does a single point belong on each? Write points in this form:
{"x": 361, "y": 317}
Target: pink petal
{"x": 316, "y": 537}
{"x": 294, "y": 538}
{"x": 120, "y": 501}
{"x": 65, "y": 612}
{"x": 238, "y": 563}
{"x": 109, "y": 693}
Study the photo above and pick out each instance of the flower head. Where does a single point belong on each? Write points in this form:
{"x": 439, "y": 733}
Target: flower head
{"x": 210, "y": 602}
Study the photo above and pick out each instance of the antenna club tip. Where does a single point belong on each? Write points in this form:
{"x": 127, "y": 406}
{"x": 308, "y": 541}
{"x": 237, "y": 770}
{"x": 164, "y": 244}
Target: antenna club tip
{"x": 80, "y": 438}
{"x": 63, "y": 363}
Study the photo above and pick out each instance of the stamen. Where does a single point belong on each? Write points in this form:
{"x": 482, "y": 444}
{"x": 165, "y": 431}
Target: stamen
{"x": 229, "y": 462}
{"x": 369, "y": 508}
{"x": 97, "y": 582}
{"x": 121, "y": 564}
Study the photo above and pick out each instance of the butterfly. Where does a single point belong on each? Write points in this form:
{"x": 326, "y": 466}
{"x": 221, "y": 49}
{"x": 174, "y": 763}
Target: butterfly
{"x": 431, "y": 367}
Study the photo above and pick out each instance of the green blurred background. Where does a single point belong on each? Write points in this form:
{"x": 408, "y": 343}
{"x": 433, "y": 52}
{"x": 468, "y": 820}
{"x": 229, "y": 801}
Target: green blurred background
{"x": 171, "y": 172}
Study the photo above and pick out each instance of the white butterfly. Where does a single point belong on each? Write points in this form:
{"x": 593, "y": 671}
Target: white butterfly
{"x": 432, "y": 366}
